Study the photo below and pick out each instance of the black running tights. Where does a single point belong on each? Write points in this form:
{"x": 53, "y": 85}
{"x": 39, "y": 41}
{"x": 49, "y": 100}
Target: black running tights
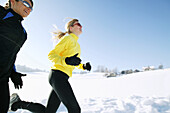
{"x": 61, "y": 92}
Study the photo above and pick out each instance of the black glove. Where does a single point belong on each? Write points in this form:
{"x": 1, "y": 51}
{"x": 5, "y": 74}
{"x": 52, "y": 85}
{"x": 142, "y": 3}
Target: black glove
{"x": 87, "y": 66}
{"x": 73, "y": 60}
{"x": 16, "y": 79}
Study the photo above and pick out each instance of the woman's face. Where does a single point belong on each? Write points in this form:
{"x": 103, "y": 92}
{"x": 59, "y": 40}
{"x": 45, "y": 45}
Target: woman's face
{"x": 20, "y": 8}
{"x": 76, "y": 28}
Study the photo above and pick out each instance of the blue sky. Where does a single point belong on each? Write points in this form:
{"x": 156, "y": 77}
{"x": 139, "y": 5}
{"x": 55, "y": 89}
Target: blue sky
{"x": 122, "y": 34}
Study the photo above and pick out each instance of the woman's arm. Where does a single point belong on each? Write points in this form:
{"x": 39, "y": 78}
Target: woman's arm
{"x": 80, "y": 66}
{"x": 55, "y": 56}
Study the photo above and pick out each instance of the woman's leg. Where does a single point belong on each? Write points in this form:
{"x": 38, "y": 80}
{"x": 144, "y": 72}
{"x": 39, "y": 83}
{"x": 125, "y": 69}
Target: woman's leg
{"x": 52, "y": 106}
{"x": 53, "y": 103}
{"x": 4, "y": 96}
{"x": 32, "y": 107}
{"x": 61, "y": 86}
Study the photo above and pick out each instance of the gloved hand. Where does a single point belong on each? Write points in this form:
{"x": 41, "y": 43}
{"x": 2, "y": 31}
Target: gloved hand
{"x": 73, "y": 60}
{"x": 16, "y": 79}
{"x": 87, "y": 66}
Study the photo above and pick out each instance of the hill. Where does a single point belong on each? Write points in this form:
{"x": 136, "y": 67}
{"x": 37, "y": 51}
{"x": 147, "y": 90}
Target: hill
{"x": 143, "y": 92}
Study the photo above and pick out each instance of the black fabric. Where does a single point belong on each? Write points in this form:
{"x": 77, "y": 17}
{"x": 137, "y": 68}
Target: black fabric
{"x": 87, "y": 66}
{"x": 16, "y": 79}
{"x": 73, "y": 60}
{"x": 34, "y": 107}
{"x": 2, "y": 12}
{"x": 12, "y": 37}
{"x": 59, "y": 81}
{"x": 4, "y": 96}
{"x": 61, "y": 92}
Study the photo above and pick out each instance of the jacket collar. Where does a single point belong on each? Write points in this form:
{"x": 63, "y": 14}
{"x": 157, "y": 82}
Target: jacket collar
{"x": 17, "y": 16}
{"x": 74, "y": 36}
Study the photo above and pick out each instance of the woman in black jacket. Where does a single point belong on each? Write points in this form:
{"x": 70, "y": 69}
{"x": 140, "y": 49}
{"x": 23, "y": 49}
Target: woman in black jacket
{"x": 12, "y": 37}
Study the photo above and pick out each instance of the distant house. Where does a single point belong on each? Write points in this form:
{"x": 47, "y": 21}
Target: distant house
{"x": 136, "y": 70}
{"x": 148, "y": 68}
{"x": 127, "y": 71}
{"x": 110, "y": 75}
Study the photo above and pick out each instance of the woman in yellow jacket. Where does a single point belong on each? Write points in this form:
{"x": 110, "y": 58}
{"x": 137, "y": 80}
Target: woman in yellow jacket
{"x": 65, "y": 57}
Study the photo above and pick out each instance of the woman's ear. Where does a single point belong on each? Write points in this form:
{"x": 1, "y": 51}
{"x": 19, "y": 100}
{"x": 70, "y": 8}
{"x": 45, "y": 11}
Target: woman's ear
{"x": 71, "y": 28}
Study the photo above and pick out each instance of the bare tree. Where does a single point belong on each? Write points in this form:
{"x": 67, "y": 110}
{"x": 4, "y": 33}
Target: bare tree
{"x": 160, "y": 66}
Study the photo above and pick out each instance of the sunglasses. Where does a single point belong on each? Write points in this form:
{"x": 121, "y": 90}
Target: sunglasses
{"x": 25, "y": 3}
{"x": 77, "y": 24}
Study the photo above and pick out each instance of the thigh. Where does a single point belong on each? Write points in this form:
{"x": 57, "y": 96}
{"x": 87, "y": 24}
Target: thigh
{"x": 64, "y": 90}
{"x": 66, "y": 95}
{"x": 53, "y": 103}
{"x": 4, "y": 97}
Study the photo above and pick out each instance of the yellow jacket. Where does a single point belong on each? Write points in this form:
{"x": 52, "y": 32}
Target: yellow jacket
{"x": 67, "y": 46}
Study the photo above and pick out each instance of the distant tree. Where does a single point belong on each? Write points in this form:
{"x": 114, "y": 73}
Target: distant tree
{"x": 106, "y": 70}
{"x": 23, "y": 68}
{"x": 160, "y": 66}
{"x": 83, "y": 72}
{"x": 123, "y": 72}
{"x": 115, "y": 70}
{"x": 101, "y": 68}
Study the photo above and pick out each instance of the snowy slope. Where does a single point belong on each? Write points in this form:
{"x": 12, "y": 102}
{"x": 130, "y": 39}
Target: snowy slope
{"x": 143, "y": 92}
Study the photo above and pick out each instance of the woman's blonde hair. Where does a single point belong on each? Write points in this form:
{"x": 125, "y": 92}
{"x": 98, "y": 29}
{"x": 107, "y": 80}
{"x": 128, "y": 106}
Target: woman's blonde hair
{"x": 60, "y": 34}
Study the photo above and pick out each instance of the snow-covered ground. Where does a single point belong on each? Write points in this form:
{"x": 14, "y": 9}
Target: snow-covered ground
{"x": 143, "y": 92}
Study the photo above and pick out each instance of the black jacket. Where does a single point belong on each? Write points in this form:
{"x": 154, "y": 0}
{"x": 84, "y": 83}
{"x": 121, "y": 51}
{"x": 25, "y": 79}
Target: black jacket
{"x": 12, "y": 37}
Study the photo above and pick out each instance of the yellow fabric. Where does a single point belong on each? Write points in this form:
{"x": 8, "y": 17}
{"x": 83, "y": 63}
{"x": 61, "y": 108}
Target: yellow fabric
{"x": 66, "y": 47}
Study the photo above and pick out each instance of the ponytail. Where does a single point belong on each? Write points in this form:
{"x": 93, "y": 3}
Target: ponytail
{"x": 59, "y": 34}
